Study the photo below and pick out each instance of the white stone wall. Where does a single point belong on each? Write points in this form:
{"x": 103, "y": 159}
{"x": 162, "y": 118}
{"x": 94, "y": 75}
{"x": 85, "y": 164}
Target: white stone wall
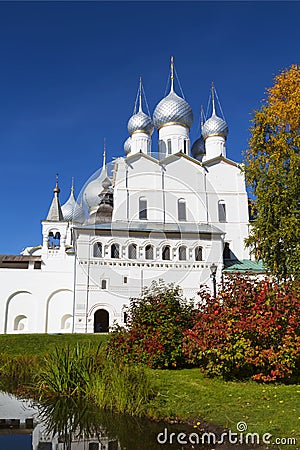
{"x": 38, "y": 300}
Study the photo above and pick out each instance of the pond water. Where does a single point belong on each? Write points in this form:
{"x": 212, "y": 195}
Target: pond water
{"x": 69, "y": 425}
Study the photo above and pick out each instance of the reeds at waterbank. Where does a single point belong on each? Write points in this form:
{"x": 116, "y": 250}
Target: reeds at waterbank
{"x": 79, "y": 371}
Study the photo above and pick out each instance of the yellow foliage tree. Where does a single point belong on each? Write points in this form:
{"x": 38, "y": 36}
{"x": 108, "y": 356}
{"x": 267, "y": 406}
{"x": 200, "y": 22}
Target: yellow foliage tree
{"x": 272, "y": 168}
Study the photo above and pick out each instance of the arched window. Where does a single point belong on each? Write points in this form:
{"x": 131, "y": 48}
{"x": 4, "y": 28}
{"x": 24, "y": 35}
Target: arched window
{"x": 115, "y": 251}
{"x": 162, "y": 147}
{"x": 50, "y": 240}
{"x": 57, "y": 240}
{"x": 149, "y": 252}
{"x": 222, "y": 211}
{"x": 198, "y": 254}
{"x": 182, "y": 253}
{"x": 169, "y": 144}
{"x": 142, "y": 208}
{"x": 54, "y": 239}
{"x": 103, "y": 284}
{"x": 132, "y": 253}
{"x": 181, "y": 209}
{"x": 166, "y": 253}
{"x": 97, "y": 250}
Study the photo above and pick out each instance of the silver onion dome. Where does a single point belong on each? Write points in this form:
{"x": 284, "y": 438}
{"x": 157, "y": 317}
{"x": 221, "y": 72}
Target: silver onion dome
{"x": 173, "y": 108}
{"x": 215, "y": 126}
{"x": 198, "y": 148}
{"x": 140, "y": 122}
{"x": 72, "y": 211}
{"x": 93, "y": 189}
{"x": 127, "y": 145}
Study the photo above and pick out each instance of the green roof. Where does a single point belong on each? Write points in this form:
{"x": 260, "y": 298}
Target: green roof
{"x": 245, "y": 265}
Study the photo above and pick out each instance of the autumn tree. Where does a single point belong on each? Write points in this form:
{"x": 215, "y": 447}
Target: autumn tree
{"x": 272, "y": 168}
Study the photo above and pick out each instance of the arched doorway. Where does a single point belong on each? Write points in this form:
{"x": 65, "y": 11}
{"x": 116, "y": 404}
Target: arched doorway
{"x": 101, "y": 321}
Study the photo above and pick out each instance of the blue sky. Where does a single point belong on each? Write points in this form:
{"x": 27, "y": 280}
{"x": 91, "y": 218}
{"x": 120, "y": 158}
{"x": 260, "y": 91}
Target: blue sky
{"x": 69, "y": 75}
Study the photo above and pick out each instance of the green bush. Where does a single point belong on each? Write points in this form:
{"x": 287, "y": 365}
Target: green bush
{"x": 156, "y": 322}
{"x": 251, "y": 330}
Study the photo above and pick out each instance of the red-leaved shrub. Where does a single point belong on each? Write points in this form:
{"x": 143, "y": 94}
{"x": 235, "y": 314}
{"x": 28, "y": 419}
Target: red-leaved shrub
{"x": 251, "y": 329}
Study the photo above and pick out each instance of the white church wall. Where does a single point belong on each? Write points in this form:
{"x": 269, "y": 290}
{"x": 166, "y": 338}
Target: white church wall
{"x": 26, "y": 292}
{"x": 59, "y": 311}
{"x": 226, "y": 184}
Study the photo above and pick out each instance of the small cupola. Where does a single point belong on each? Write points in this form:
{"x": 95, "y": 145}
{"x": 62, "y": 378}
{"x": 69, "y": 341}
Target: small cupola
{"x": 72, "y": 211}
{"x": 214, "y": 132}
{"x": 140, "y": 128}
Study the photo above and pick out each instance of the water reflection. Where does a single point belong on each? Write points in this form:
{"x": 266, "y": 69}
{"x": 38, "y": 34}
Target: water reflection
{"x": 65, "y": 424}
{"x": 68, "y": 425}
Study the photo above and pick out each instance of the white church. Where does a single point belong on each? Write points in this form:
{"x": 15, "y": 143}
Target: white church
{"x": 178, "y": 213}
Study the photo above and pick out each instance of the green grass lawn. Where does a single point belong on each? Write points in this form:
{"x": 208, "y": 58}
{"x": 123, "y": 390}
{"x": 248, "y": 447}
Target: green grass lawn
{"x": 37, "y": 344}
{"x": 188, "y": 395}
{"x": 266, "y": 408}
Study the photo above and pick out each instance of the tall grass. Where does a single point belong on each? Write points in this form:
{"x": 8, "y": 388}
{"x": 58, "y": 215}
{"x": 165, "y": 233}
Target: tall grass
{"x": 67, "y": 371}
{"x": 19, "y": 370}
{"x": 122, "y": 387}
{"x": 81, "y": 372}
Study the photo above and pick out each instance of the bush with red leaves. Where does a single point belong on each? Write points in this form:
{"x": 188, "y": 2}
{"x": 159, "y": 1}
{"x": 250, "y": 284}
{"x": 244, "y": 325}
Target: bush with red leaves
{"x": 252, "y": 330}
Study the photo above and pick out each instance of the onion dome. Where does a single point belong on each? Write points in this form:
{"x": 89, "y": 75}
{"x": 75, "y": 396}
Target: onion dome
{"x": 198, "y": 148}
{"x": 215, "y": 126}
{"x": 173, "y": 109}
{"x": 94, "y": 188}
{"x": 127, "y": 145}
{"x": 72, "y": 211}
{"x": 140, "y": 122}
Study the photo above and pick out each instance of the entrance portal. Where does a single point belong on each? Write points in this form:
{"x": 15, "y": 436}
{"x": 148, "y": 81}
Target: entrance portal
{"x": 101, "y": 321}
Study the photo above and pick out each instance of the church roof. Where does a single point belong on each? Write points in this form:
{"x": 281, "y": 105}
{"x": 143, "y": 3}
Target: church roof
{"x": 156, "y": 227}
{"x": 18, "y": 258}
{"x": 55, "y": 213}
{"x": 245, "y": 265}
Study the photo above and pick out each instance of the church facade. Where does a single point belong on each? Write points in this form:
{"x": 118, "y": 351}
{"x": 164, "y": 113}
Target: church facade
{"x": 173, "y": 214}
